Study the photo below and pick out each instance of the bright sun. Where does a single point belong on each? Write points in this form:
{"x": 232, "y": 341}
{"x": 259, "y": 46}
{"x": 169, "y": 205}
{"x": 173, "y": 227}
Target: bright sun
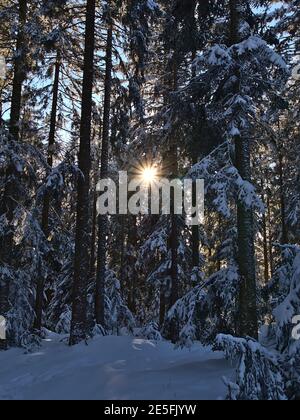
{"x": 149, "y": 174}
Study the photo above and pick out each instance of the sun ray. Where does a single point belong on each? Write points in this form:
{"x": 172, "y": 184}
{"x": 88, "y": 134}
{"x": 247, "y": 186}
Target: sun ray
{"x": 149, "y": 175}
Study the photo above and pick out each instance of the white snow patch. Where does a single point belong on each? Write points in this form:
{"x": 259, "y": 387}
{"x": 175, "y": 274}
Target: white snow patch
{"x": 113, "y": 368}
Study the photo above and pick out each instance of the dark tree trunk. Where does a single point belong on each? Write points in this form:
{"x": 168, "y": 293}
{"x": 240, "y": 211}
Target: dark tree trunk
{"x": 19, "y": 73}
{"x": 122, "y": 251}
{"x": 270, "y": 236}
{"x": 102, "y": 219}
{"x": 94, "y": 213}
{"x": 1, "y": 105}
{"x": 83, "y": 236}
{"x": 162, "y": 306}
{"x": 248, "y": 321}
{"x": 266, "y": 250}
{"x": 284, "y": 230}
{"x": 132, "y": 281}
{"x": 220, "y": 231}
{"x": 11, "y": 194}
{"x": 174, "y": 327}
{"x": 51, "y": 142}
{"x": 195, "y": 230}
{"x": 173, "y": 239}
{"x": 94, "y": 236}
{"x": 174, "y": 218}
{"x": 4, "y": 290}
{"x": 234, "y": 21}
{"x": 265, "y": 240}
{"x": 174, "y": 265}
{"x": 195, "y": 246}
{"x": 46, "y": 203}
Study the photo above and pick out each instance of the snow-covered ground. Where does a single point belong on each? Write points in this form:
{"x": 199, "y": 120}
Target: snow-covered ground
{"x": 113, "y": 368}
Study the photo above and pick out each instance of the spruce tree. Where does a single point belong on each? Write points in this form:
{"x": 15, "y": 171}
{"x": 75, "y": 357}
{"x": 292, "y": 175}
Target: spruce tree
{"x": 83, "y": 237}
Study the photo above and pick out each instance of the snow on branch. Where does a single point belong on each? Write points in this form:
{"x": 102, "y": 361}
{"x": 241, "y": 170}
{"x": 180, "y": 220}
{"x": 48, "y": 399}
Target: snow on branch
{"x": 258, "y": 375}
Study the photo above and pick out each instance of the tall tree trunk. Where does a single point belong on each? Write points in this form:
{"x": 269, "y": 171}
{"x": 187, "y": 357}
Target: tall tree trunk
{"x": 47, "y": 198}
{"x": 174, "y": 327}
{"x": 103, "y": 220}
{"x": 11, "y": 193}
{"x": 1, "y": 104}
{"x": 93, "y": 258}
{"x": 174, "y": 264}
{"x": 284, "y": 231}
{"x": 195, "y": 246}
{"x": 131, "y": 260}
{"x": 220, "y": 232}
{"x": 19, "y": 73}
{"x": 4, "y": 291}
{"x": 195, "y": 229}
{"x": 266, "y": 250}
{"x": 123, "y": 250}
{"x": 248, "y": 321}
{"x": 162, "y": 306}
{"x": 174, "y": 222}
{"x": 51, "y": 141}
{"x": 265, "y": 240}
{"x": 83, "y": 237}
{"x": 270, "y": 236}
{"x": 94, "y": 235}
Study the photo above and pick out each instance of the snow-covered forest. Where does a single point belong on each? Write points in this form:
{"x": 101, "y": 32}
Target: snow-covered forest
{"x": 181, "y": 89}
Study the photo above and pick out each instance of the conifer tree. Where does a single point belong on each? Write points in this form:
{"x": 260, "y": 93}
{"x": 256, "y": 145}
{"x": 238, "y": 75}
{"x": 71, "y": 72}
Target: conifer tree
{"x": 83, "y": 237}
{"x": 104, "y": 171}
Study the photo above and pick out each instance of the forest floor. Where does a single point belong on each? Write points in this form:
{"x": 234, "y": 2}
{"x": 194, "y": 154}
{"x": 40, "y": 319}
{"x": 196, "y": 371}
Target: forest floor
{"x": 113, "y": 368}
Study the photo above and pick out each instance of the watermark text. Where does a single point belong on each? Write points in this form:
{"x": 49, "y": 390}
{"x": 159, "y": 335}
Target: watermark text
{"x": 2, "y": 328}
{"x": 160, "y": 197}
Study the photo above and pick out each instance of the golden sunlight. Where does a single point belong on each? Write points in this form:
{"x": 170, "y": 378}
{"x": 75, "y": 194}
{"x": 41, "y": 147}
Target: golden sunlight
{"x": 149, "y": 174}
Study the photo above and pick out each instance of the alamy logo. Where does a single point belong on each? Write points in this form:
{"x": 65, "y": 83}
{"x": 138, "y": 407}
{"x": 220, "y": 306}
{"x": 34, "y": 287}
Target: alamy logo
{"x": 296, "y": 72}
{"x": 147, "y": 194}
{"x": 296, "y": 329}
{"x": 2, "y": 328}
{"x": 2, "y": 67}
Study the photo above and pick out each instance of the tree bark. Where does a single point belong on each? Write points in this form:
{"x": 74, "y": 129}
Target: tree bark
{"x": 174, "y": 237}
{"x": 174, "y": 222}
{"x": 174, "y": 265}
{"x": 284, "y": 230}
{"x": 270, "y": 236}
{"x": 83, "y": 226}
{"x": 19, "y": 73}
{"x": 132, "y": 281}
{"x": 94, "y": 235}
{"x": 39, "y": 303}
{"x": 162, "y": 306}
{"x": 93, "y": 258}
{"x": 248, "y": 320}
{"x": 195, "y": 229}
{"x": 4, "y": 291}
{"x": 103, "y": 219}
{"x": 11, "y": 193}
{"x": 265, "y": 239}
{"x": 51, "y": 141}
{"x": 266, "y": 250}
